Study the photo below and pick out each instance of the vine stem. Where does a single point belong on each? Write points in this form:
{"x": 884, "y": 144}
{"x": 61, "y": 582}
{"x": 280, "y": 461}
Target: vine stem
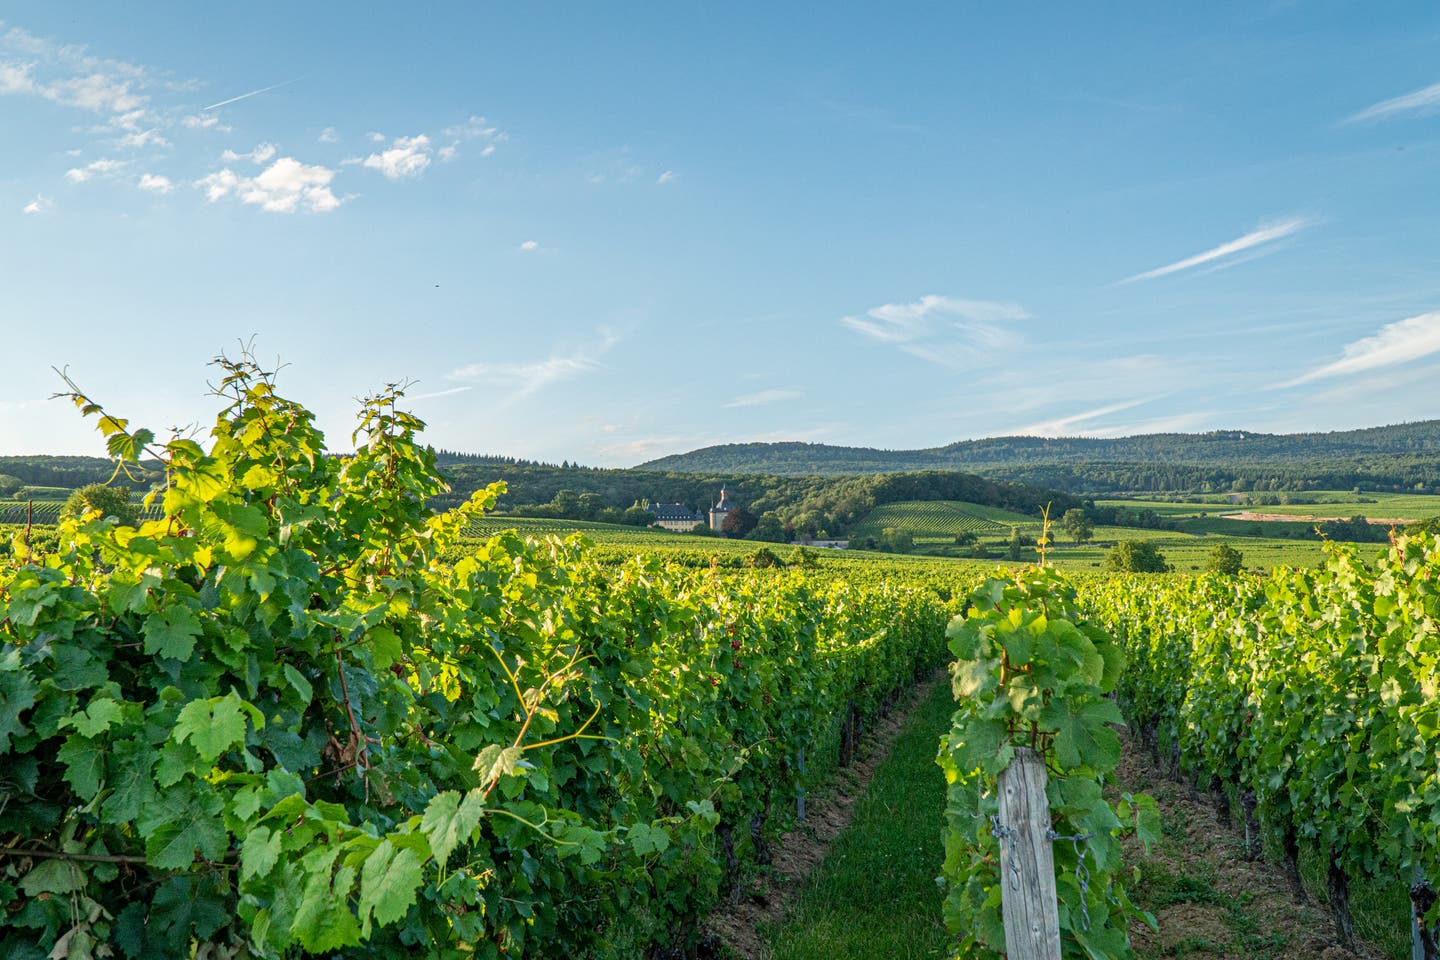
{"x": 80, "y": 857}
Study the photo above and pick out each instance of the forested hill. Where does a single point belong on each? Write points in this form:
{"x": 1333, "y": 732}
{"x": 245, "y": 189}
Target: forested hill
{"x": 1396, "y": 456}
{"x": 810, "y": 504}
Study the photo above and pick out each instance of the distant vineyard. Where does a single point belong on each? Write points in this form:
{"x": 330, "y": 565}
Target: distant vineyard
{"x": 941, "y": 519}
{"x": 48, "y": 511}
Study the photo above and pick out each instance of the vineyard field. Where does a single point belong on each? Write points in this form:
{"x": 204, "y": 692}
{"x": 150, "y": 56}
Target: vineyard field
{"x": 942, "y": 520}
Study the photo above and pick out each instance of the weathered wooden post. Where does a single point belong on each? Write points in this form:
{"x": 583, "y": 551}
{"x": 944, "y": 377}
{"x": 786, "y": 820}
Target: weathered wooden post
{"x": 800, "y": 793}
{"x": 1423, "y": 940}
{"x": 1027, "y": 863}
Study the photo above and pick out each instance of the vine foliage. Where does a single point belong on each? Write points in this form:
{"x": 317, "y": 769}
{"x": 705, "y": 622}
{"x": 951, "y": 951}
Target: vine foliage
{"x": 1031, "y": 670}
{"x": 295, "y": 714}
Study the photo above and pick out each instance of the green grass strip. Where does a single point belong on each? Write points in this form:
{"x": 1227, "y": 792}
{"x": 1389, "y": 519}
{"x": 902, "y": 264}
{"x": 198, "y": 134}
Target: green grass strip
{"x": 875, "y": 894}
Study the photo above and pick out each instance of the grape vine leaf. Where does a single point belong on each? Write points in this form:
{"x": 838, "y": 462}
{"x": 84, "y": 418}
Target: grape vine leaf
{"x": 387, "y": 885}
{"x": 212, "y": 726}
{"x": 171, "y": 632}
{"x": 448, "y": 820}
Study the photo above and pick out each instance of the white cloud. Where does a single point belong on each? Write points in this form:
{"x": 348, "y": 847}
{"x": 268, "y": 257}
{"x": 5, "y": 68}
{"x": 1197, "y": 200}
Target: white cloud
{"x": 762, "y": 397}
{"x": 285, "y": 186}
{"x": 328, "y": 135}
{"x": 143, "y": 138}
{"x": 407, "y": 157}
{"x": 38, "y": 205}
{"x": 439, "y": 393}
{"x": 155, "y": 183}
{"x": 93, "y": 92}
{"x": 198, "y": 122}
{"x": 98, "y": 167}
{"x": 526, "y": 378}
{"x": 530, "y": 245}
{"x": 1417, "y": 102}
{"x": 943, "y": 330}
{"x": 669, "y": 176}
{"x": 376, "y": 137}
{"x": 69, "y": 75}
{"x": 1261, "y": 235}
{"x": 1396, "y": 343}
{"x": 448, "y": 153}
{"x": 259, "y": 155}
{"x": 1066, "y": 426}
{"x": 16, "y": 78}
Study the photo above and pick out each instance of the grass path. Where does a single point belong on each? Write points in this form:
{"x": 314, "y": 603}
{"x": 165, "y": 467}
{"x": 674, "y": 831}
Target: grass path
{"x": 875, "y": 893}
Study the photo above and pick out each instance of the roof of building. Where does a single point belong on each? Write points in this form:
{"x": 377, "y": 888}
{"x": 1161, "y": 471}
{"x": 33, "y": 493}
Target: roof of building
{"x": 674, "y": 511}
{"x": 724, "y": 503}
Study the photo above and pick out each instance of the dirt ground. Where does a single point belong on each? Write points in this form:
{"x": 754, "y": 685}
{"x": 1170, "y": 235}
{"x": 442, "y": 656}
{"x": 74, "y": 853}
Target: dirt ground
{"x": 1305, "y": 518}
{"x": 1208, "y": 899}
{"x": 736, "y": 922}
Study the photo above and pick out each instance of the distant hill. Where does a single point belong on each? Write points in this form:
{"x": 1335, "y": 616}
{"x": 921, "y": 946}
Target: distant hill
{"x": 1390, "y": 457}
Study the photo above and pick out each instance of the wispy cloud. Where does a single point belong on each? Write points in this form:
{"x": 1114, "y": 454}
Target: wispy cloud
{"x": 1067, "y": 426}
{"x": 530, "y": 246}
{"x": 38, "y": 205}
{"x": 1266, "y": 233}
{"x": 328, "y": 135}
{"x": 92, "y": 170}
{"x": 669, "y": 176}
{"x": 285, "y": 186}
{"x": 1396, "y": 343}
{"x": 70, "y": 75}
{"x": 259, "y": 155}
{"x": 210, "y": 122}
{"x": 155, "y": 183}
{"x": 762, "y": 397}
{"x": 1417, "y": 102}
{"x": 525, "y": 378}
{"x": 440, "y": 393}
{"x": 252, "y": 93}
{"x": 947, "y": 331}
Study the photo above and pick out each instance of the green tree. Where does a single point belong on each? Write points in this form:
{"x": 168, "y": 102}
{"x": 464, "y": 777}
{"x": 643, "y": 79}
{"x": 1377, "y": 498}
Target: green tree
{"x": 769, "y": 528}
{"x": 110, "y": 501}
{"x": 738, "y": 522}
{"x": 895, "y": 540}
{"x": 9, "y": 485}
{"x": 1136, "y": 556}
{"x": 1077, "y": 523}
{"x": 589, "y": 506}
{"x": 1225, "y": 559}
{"x": 1016, "y": 545}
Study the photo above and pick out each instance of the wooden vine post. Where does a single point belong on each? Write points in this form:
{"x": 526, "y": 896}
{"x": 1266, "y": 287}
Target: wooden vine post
{"x": 1028, "y": 897}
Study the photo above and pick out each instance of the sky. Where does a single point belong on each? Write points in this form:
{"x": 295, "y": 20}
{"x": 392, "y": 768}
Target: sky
{"x": 605, "y": 233}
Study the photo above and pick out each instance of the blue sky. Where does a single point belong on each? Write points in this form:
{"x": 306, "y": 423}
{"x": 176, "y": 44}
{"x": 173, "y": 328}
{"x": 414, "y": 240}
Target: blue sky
{"x": 605, "y": 233}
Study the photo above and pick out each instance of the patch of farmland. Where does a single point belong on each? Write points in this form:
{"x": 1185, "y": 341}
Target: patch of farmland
{"x": 941, "y": 519}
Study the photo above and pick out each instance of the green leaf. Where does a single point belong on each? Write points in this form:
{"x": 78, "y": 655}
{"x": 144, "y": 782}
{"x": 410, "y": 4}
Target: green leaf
{"x": 323, "y": 920}
{"x": 129, "y": 779}
{"x": 53, "y": 876}
{"x": 17, "y": 694}
{"x": 448, "y": 819}
{"x": 96, "y": 719}
{"x": 494, "y": 762}
{"x": 388, "y": 883}
{"x": 384, "y": 647}
{"x": 212, "y": 726}
{"x": 646, "y": 839}
{"x": 191, "y": 826}
{"x": 298, "y": 681}
{"x": 171, "y": 632}
{"x": 84, "y": 763}
{"x": 1084, "y": 737}
{"x": 259, "y": 852}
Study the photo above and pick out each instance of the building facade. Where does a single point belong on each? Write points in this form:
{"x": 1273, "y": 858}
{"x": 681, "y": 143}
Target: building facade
{"x": 675, "y": 516}
{"x": 721, "y": 510}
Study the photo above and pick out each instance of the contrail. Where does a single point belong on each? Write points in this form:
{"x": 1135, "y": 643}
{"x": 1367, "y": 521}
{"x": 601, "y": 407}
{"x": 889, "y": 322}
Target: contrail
{"x": 252, "y": 93}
